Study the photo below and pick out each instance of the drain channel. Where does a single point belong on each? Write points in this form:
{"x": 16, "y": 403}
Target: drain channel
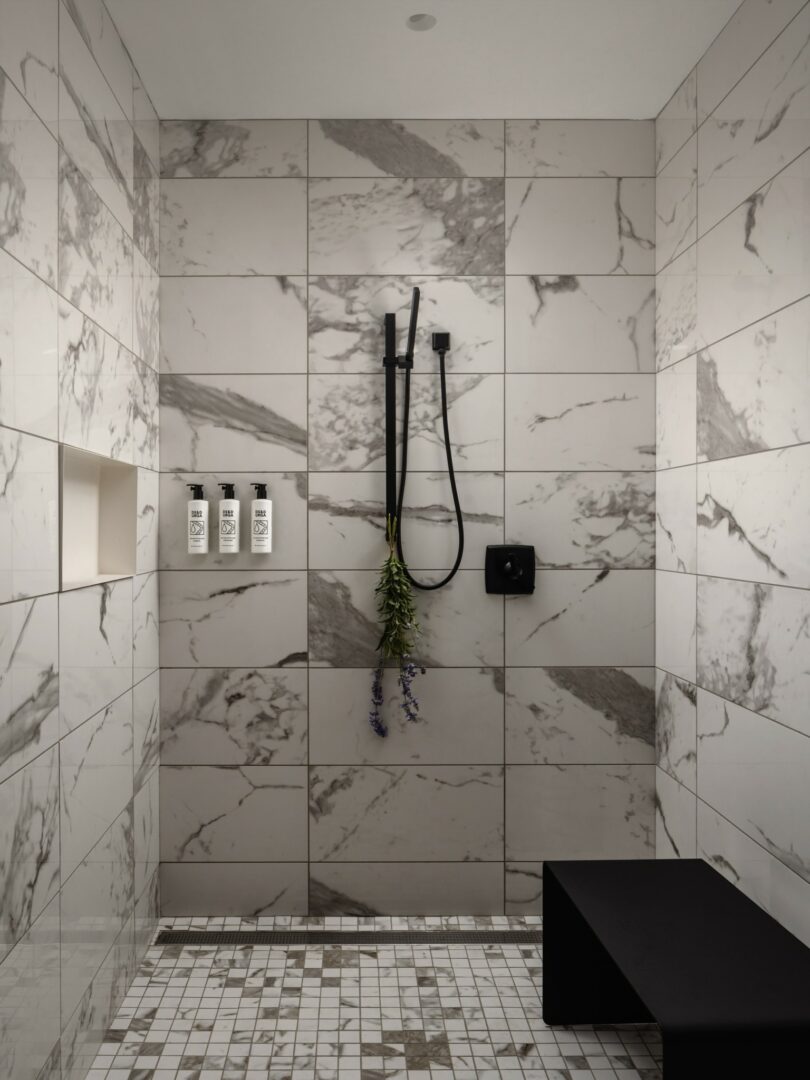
{"x": 214, "y": 938}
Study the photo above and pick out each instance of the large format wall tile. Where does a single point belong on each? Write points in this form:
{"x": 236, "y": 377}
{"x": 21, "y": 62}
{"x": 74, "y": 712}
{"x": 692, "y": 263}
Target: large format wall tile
{"x": 580, "y": 422}
{"x": 412, "y": 813}
{"x": 146, "y": 833}
{"x": 675, "y": 628}
{"x": 29, "y": 516}
{"x": 28, "y": 53}
{"x": 676, "y": 309}
{"x": 589, "y": 226}
{"x": 581, "y": 520}
{"x": 675, "y": 819}
{"x": 569, "y": 148}
{"x": 145, "y": 616}
{"x": 346, "y": 316}
{"x": 228, "y": 422}
{"x": 219, "y": 148}
{"x": 408, "y": 226}
{"x": 579, "y": 811}
{"x": 460, "y": 718}
{"x": 233, "y": 324}
{"x": 146, "y": 554}
{"x": 569, "y": 715}
{"x": 407, "y": 148}
{"x": 145, "y": 311}
{"x": 146, "y": 123}
{"x": 591, "y": 617}
{"x": 676, "y": 436}
{"x": 675, "y": 513}
{"x": 234, "y": 618}
{"x": 383, "y": 888}
{"x": 102, "y": 39}
{"x": 676, "y": 206}
{"x": 146, "y": 727}
{"x": 676, "y": 121}
{"x": 237, "y": 226}
{"x": 675, "y": 728}
{"x": 146, "y": 206}
{"x": 264, "y": 888}
{"x": 211, "y": 814}
{"x": 592, "y": 323}
{"x": 523, "y": 888}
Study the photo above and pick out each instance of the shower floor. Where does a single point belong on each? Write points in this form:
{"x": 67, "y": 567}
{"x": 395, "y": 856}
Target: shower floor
{"x": 356, "y": 1012}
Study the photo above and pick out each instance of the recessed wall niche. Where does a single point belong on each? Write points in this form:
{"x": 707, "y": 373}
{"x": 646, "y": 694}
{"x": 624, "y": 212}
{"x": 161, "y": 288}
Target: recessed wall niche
{"x": 99, "y": 518}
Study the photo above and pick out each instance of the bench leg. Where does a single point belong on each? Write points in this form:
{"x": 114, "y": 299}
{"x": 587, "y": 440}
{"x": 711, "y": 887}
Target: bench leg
{"x": 581, "y": 983}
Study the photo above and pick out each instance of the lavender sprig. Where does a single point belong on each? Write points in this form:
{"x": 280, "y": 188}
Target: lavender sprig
{"x": 407, "y": 672}
{"x": 374, "y": 716}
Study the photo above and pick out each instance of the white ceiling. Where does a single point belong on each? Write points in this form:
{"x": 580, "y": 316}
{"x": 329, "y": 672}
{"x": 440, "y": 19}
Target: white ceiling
{"x": 355, "y": 58}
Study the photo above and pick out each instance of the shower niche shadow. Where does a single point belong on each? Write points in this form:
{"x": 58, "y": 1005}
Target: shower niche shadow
{"x": 98, "y": 501}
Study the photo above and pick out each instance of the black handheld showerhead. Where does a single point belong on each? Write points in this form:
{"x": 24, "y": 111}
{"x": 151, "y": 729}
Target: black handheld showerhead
{"x": 413, "y": 323}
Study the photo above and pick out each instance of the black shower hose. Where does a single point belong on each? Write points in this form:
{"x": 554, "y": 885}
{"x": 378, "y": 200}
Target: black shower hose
{"x": 404, "y": 473}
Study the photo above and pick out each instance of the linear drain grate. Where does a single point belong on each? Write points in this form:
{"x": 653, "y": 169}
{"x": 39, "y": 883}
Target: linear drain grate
{"x": 215, "y": 938}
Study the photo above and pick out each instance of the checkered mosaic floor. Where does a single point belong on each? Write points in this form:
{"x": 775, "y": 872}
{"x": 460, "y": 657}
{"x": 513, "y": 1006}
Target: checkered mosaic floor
{"x": 356, "y": 1012}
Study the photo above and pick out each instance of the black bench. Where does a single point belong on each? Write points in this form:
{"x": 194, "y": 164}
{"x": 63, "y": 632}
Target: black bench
{"x": 673, "y": 942}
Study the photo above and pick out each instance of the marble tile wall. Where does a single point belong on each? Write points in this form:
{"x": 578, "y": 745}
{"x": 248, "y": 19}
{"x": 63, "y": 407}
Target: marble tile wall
{"x": 282, "y": 245}
{"x": 78, "y": 669}
{"x": 733, "y": 435}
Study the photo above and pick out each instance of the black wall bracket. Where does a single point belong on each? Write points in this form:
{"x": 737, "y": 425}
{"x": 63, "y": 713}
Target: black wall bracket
{"x": 509, "y": 569}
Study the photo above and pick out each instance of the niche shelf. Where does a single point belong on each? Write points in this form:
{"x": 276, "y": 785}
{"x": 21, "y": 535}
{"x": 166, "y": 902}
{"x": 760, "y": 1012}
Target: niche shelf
{"x": 99, "y": 509}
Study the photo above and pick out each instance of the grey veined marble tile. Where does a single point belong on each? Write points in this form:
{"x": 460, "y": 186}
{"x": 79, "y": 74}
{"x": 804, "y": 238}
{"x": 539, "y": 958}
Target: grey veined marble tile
{"x": 146, "y": 556}
{"x": 676, "y": 728}
{"x": 146, "y": 727}
{"x": 676, "y": 199}
{"x": 146, "y": 833}
{"x": 581, "y": 226}
{"x": 416, "y": 813}
{"x": 98, "y": 30}
{"x": 386, "y": 888}
{"x": 676, "y": 121}
{"x": 590, "y": 324}
{"x": 28, "y": 53}
{"x": 29, "y": 160}
{"x": 752, "y": 647}
{"x": 346, "y": 313}
{"x": 233, "y": 716}
{"x": 569, "y": 148}
{"x": 523, "y": 888}
{"x": 146, "y": 206}
{"x": 676, "y": 519}
{"x": 675, "y": 624}
{"x": 675, "y": 819}
{"x": 582, "y": 519}
{"x": 676, "y": 435}
{"x": 218, "y": 148}
{"x": 145, "y": 311}
{"x": 676, "y": 309}
{"x": 29, "y": 516}
{"x": 29, "y": 681}
{"x": 574, "y": 715}
{"x": 247, "y": 888}
{"x": 407, "y": 148}
{"x": 144, "y": 625}
{"x": 388, "y": 226}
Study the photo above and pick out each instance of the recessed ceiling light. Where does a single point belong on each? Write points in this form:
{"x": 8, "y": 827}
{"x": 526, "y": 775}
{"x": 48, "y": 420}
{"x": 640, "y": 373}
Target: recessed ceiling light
{"x": 420, "y": 21}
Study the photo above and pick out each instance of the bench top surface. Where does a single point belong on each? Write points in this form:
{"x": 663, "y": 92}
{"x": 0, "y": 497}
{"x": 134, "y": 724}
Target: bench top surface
{"x": 699, "y": 953}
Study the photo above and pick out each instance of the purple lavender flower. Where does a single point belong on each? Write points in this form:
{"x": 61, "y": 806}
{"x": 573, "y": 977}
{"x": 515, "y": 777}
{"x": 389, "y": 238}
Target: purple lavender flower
{"x": 374, "y": 716}
{"x": 407, "y": 673}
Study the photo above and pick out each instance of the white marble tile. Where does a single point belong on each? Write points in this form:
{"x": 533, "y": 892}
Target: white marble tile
{"x": 95, "y": 649}
{"x": 754, "y": 772}
{"x": 146, "y": 916}
{"x": 144, "y": 626}
{"x": 589, "y": 324}
{"x": 759, "y": 127}
{"x": 675, "y": 819}
{"x": 754, "y": 517}
{"x": 93, "y": 128}
{"x": 461, "y": 625}
{"x": 29, "y": 681}
{"x": 146, "y": 553}
{"x": 583, "y": 519}
{"x": 221, "y": 148}
{"x": 675, "y": 624}
{"x": 409, "y": 812}
{"x": 588, "y": 226}
{"x": 753, "y": 391}
{"x": 676, "y": 314}
{"x": 145, "y": 412}
{"x": 677, "y": 120}
{"x": 407, "y": 148}
{"x": 29, "y": 160}
{"x": 381, "y": 888}
{"x": 96, "y": 902}
{"x": 347, "y": 520}
{"x": 523, "y": 888}
{"x": 29, "y": 845}
{"x": 209, "y": 814}
{"x": 676, "y": 423}
{"x": 146, "y": 833}
{"x": 145, "y": 311}
{"x": 580, "y": 811}
{"x": 29, "y": 990}
{"x": 676, "y": 199}
{"x": 761, "y": 876}
{"x": 146, "y": 206}
{"x": 580, "y": 421}
{"x": 254, "y": 889}
{"x": 95, "y": 763}
{"x": 100, "y": 35}
{"x": 676, "y": 728}
{"x": 147, "y": 125}
{"x": 28, "y": 351}
{"x": 233, "y": 619}
{"x": 569, "y": 148}
{"x": 571, "y": 715}
{"x": 460, "y": 718}
{"x": 29, "y": 516}
{"x": 146, "y": 727}
{"x": 346, "y": 316}
{"x": 233, "y": 716}
{"x": 583, "y": 617}
{"x": 233, "y": 227}
{"x": 245, "y": 324}
{"x": 346, "y": 429}
{"x": 28, "y": 53}
{"x": 230, "y": 422}
{"x": 755, "y": 260}
{"x": 753, "y": 642}
{"x": 95, "y": 255}
{"x": 675, "y": 519}
{"x": 406, "y": 226}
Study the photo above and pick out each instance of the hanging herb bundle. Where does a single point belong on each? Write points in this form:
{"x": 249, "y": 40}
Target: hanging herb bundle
{"x": 397, "y": 613}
